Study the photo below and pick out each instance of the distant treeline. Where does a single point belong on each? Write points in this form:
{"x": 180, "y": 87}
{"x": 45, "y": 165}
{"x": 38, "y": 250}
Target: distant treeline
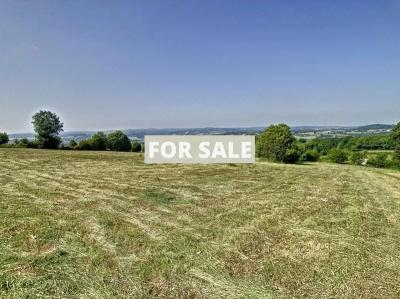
{"x": 115, "y": 141}
{"x": 276, "y": 143}
{"x": 371, "y": 142}
{"x": 48, "y": 126}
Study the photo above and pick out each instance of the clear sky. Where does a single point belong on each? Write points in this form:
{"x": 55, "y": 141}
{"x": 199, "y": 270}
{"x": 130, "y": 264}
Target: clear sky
{"x": 139, "y": 64}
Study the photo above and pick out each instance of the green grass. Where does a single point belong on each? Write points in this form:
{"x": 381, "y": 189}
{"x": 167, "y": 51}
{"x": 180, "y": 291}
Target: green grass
{"x": 105, "y": 225}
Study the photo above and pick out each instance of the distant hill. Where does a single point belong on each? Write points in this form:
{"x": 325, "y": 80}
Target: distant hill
{"x": 375, "y": 127}
{"x": 299, "y": 131}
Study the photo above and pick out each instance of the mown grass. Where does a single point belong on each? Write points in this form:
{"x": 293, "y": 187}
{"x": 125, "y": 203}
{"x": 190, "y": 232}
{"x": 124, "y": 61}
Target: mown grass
{"x": 105, "y": 225}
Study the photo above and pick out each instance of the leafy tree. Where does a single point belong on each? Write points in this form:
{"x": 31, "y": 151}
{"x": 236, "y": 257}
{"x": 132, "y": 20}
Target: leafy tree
{"x": 47, "y": 126}
{"x": 337, "y": 155}
{"x": 310, "y": 156}
{"x": 322, "y": 145}
{"x": 99, "y": 141}
{"x": 4, "y": 138}
{"x": 396, "y": 132}
{"x": 118, "y": 141}
{"x": 136, "y": 147}
{"x": 275, "y": 142}
{"x": 84, "y": 145}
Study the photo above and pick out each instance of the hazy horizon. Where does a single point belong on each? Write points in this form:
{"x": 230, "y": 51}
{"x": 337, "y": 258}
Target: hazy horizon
{"x": 203, "y": 127}
{"x": 191, "y": 64}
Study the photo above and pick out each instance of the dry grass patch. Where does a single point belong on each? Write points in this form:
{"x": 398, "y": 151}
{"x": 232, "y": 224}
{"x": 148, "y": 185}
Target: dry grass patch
{"x": 105, "y": 225}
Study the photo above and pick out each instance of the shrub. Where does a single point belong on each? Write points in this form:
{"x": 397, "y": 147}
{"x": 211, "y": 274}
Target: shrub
{"x": 136, "y": 147}
{"x": 322, "y": 145}
{"x": 396, "y": 154}
{"x": 380, "y": 160}
{"x": 98, "y": 141}
{"x": 292, "y": 155}
{"x": 4, "y": 138}
{"x": 358, "y": 158}
{"x": 337, "y": 156}
{"x": 49, "y": 142}
{"x": 84, "y": 145}
{"x": 310, "y": 156}
{"x": 31, "y": 144}
{"x": 396, "y": 157}
{"x": 118, "y": 141}
{"x": 72, "y": 143}
{"x": 23, "y": 142}
{"x": 275, "y": 142}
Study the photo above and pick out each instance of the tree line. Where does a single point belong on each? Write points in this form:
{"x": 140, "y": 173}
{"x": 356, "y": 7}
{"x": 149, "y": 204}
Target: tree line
{"x": 277, "y": 143}
{"x": 47, "y": 127}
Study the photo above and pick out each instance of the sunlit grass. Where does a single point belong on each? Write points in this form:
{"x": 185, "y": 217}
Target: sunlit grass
{"x": 105, "y": 225}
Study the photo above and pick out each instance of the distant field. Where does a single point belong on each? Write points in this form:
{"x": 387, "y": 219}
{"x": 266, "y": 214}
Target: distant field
{"x": 105, "y": 225}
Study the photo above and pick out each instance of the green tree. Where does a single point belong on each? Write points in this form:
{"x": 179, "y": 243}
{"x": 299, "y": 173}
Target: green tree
{"x": 275, "y": 142}
{"x": 310, "y": 156}
{"x": 136, "y": 147}
{"x": 337, "y": 155}
{"x": 99, "y": 141}
{"x": 47, "y": 126}
{"x": 396, "y": 132}
{"x": 4, "y": 138}
{"x": 118, "y": 141}
{"x": 84, "y": 145}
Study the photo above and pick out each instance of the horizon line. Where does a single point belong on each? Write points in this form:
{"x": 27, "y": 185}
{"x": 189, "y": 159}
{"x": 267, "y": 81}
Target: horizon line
{"x": 212, "y": 127}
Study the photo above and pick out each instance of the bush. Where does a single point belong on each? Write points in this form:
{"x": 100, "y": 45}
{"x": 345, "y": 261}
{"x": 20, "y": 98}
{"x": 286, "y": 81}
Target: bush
{"x": 292, "y": 155}
{"x": 358, "y": 158}
{"x": 99, "y": 141}
{"x": 136, "y": 147}
{"x": 275, "y": 142}
{"x": 337, "y": 156}
{"x": 396, "y": 157}
{"x": 396, "y": 154}
{"x": 84, "y": 145}
{"x": 310, "y": 156}
{"x": 23, "y": 142}
{"x": 322, "y": 145}
{"x": 118, "y": 141}
{"x": 72, "y": 143}
{"x": 48, "y": 142}
{"x": 32, "y": 144}
{"x": 4, "y": 138}
{"x": 380, "y": 160}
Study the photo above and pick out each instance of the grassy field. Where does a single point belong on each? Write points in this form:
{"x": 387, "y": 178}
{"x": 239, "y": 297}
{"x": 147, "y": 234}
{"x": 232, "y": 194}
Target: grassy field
{"x": 105, "y": 225}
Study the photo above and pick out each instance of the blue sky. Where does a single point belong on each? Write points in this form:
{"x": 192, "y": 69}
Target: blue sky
{"x": 138, "y": 64}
